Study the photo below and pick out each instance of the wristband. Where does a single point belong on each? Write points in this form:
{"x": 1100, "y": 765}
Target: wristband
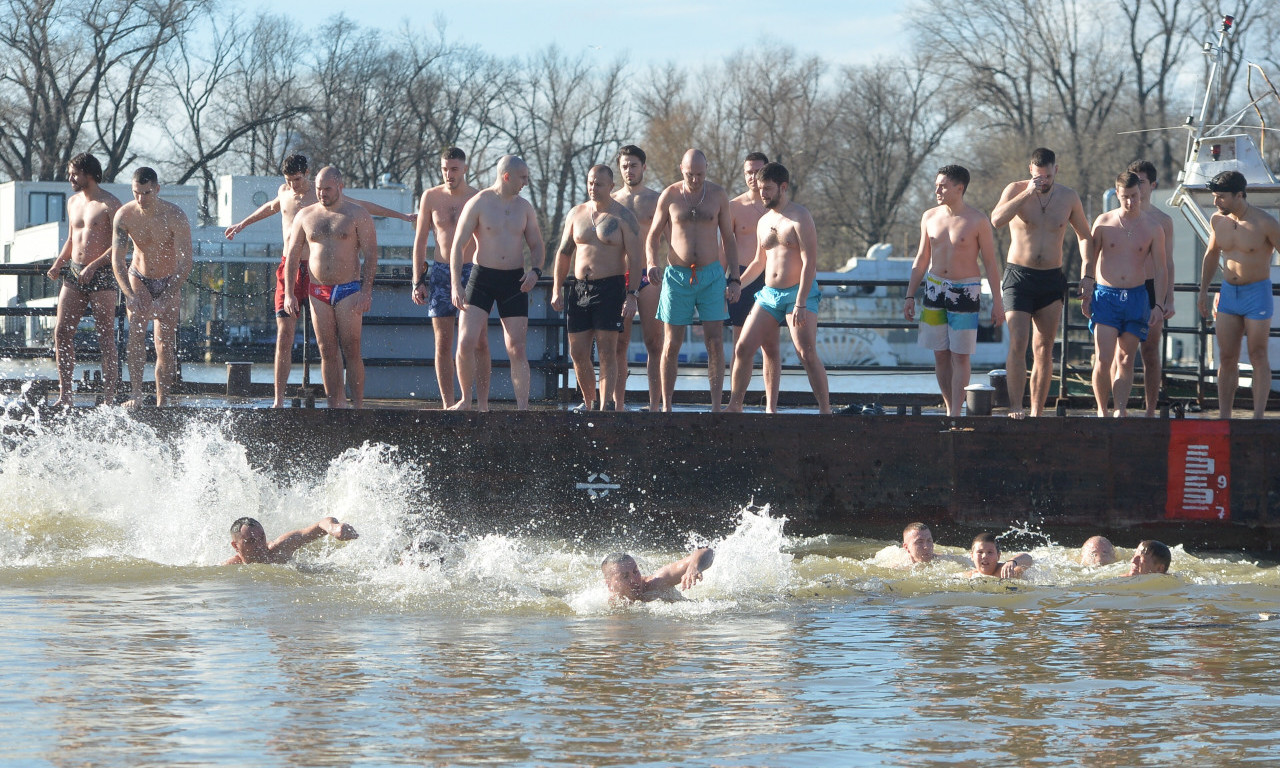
{"x": 536, "y": 271}
{"x": 1160, "y": 308}
{"x": 421, "y": 281}
{"x": 1088, "y": 277}
{"x": 633, "y": 293}
{"x": 737, "y": 280}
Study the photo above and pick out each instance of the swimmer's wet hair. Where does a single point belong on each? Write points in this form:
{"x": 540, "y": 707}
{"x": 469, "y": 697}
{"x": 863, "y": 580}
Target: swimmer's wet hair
{"x": 633, "y": 151}
{"x": 616, "y": 559}
{"x": 957, "y": 173}
{"x": 294, "y": 164}
{"x": 983, "y": 538}
{"x": 88, "y": 165}
{"x": 242, "y": 522}
{"x": 775, "y": 172}
{"x": 1144, "y": 167}
{"x": 145, "y": 175}
{"x": 1158, "y": 552}
{"x": 1043, "y": 157}
{"x": 453, "y": 153}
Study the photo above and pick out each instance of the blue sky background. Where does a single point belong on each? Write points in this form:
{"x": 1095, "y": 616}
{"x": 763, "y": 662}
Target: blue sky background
{"x": 649, "y": 31}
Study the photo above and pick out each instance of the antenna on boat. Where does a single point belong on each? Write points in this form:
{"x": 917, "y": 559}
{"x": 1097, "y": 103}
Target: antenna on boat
{"x": 1215, "y": 53}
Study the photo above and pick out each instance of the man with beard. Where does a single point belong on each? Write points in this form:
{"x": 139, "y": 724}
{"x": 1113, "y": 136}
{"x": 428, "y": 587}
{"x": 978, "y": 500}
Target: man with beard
{"x": 787, "y": 256}
{"x": 84, "y": 267}
{"x": 747, "y": 208}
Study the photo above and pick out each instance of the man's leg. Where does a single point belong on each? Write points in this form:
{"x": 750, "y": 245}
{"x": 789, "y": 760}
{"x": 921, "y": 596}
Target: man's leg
{"x": 580, "y": 352}
{"x": 1151, "y": 373}
{"x": 622, "y": 369}
{"x": 607, "y": 343}
{"x": 442, "y": 329}
{"x": 71, "y": 306}
{"x": 1046, "y": 322}
{"x": 651, "y": 330}
{"x": 757, "y": 326}
{"x": 1104, "y": 355}
{"x": 1230, "y": 330}
{"x": 1126, "y": 356}
{"x": 805, "y": 340}
{"x": 350, "y": 323}
{"x": 713, "y": 334}
{"x": 515, "y": 330}
{"x": 325, "y": 326}
{"x": 166, "y": 339}
{"x": 104, "y": 320}
{"x": 959, "y": 380}
{"x": 136, "y": 350}
{"x": 1258, "y": 333}
{"x": 285, "y": 328}
{"x": 942, "y": 371}
{"x": 771, "y": 351}
{"x": 473, "y": 323}
{"x": 1015, "y": 364}
{"x": 673, "y": 338}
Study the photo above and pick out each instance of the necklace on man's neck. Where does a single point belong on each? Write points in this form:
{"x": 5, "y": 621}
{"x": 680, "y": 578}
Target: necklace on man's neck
{"x": 1128, "y": 232}
{"x": 1044, "y": 201}
{"x": 694, "y": 206}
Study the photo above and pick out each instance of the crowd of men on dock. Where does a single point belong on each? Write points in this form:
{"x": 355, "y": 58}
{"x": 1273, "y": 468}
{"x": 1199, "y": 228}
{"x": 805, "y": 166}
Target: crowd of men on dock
{"x": 611, "y": 265}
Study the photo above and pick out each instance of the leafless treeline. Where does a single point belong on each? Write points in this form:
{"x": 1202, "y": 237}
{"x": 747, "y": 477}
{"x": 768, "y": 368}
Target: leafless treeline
{"x": 200, "y": 90}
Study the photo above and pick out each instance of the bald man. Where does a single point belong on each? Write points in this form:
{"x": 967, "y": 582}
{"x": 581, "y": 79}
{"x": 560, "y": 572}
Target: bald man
{"x": 696, "y": 211}
{"x": 335, "y": 238}
{"x": 1097, "y": 550}
{"x": 502, "y": 223}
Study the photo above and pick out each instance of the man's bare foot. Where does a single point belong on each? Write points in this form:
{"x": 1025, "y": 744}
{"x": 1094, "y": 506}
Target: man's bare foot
{"x": 63, "y": 401}
{"x": 136, "y": 402}
{"x": 461, "y": 405}
{"x": 277, "y": 404}
{"x": 1017, "y": 415}
{"x": 1121, "y": 413}
{"x": 731, "y": 408}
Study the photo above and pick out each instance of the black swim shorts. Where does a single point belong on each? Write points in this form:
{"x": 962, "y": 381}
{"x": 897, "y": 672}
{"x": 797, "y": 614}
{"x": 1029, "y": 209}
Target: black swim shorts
{"x": 1031, "y": 290}
{"x": 488, "y": 286}
{"x": 594, "y": 305}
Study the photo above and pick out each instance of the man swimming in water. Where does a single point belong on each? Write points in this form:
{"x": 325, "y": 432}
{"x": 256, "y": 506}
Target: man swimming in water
{"x": 622, "y": 576}
{"x": 338, "y": 241}
{"x": 985, "y": 554}
{"x": 249, "y": 540}
{"x": 1150, "y": 557}
{"x": 152, "y": 283}
{"x": 1242, "y": 239}
{"x": 1097, "y": 550}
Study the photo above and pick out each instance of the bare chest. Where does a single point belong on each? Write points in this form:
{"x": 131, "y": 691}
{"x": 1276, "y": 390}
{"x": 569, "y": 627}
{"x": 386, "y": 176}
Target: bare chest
{"x": 597, "y": 229}
{"x": 330, "y": 227}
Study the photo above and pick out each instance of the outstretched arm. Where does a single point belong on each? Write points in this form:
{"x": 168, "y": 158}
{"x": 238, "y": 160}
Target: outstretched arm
{"x": 386, "y": 213}
{"x": 685, "y": 572}
{"x": 265, "y": 211}
{"x": 1016, "y": 566}
{"x": 283, "y": 548}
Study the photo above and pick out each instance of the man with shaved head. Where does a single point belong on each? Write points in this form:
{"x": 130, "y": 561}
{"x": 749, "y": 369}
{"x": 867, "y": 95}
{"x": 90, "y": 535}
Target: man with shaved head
{"x": 335, "y": 238}
{"x": 694, "y": 278}
{"x": 502, "y": 223}
{"x": 1097, "y": 550}
{"x": 601, "y": 243}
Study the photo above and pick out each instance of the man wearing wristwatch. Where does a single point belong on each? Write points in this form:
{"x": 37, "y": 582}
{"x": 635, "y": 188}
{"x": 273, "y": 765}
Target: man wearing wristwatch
{"x": 502, "y": 223}
{"x": 1124, "y": 243}
{"x": 695, "y": 210}
{"x": 601, "y": 244}
{"x": 439, "y": 211}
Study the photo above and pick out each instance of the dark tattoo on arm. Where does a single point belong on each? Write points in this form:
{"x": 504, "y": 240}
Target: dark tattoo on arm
{"x": 122, "y": 238}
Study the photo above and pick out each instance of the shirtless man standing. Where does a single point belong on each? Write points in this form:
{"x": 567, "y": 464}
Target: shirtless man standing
{"x": 694, "y": 209}
{"x": 296, "y": 193}
{"x": 334, "y": 238}
{"x": 643, "y": 203}
{"x": 788, "y": 258}
{"x": 1037, "y": 213}
{"x": 952, "y": 238}
{"x": 746, "y": 210}
{"x": 602, "y": 240}
{"x": 502, "y": 223}
{"x": 1150, "y": 348}
{"x": 1124, "y": 244}
{"x": 84, "y": 267}
{"x": 1242, "y": 239}
{"x": 439, "y": 212}
{"x": 152, "y": 283}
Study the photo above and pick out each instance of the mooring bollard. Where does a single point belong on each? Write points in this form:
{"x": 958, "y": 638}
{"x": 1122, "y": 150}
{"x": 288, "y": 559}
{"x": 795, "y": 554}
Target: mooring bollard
{"x": 238, "y": 379}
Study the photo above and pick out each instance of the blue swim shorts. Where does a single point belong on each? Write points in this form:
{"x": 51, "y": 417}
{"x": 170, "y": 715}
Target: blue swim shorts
{"x": 684, "y": 288}
{"x": 779, "y": 302}
{"x": 440, "y": 289}
{"x": 1124, "y": 309}
{"x": 1252, "y": 301}
{"x": 949, "y": 318}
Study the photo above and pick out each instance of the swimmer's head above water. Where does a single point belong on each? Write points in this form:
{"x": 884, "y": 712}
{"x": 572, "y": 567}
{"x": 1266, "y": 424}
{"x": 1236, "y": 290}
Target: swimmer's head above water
{"x": 917, "y": 540}
{"x": 1150, "y": 557}
{"x": 249, "y": 540}
{"x": 1097, "y": 550}
{"x": 623, "y": 578}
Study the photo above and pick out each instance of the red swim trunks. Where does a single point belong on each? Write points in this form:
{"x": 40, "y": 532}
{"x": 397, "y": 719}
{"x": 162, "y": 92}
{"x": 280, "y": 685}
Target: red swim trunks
{"x": 299, "y": 287}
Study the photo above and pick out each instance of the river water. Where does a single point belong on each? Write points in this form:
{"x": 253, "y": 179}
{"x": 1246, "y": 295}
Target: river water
{"x": 126, "y": 643}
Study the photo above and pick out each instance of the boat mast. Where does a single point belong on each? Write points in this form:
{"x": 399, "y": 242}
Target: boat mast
{"x": 1215, "y": 52}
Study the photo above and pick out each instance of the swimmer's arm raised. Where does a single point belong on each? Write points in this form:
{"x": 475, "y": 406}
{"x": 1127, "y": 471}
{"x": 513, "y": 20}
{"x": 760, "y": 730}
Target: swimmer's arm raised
{"x": 684, "y": 572}
{"x": 283, "y": 548}
{"x": 1011, "y": 200}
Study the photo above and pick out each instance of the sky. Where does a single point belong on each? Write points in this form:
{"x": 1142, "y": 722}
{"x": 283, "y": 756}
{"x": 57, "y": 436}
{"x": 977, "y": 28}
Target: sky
{"x": 646, "y": 31}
